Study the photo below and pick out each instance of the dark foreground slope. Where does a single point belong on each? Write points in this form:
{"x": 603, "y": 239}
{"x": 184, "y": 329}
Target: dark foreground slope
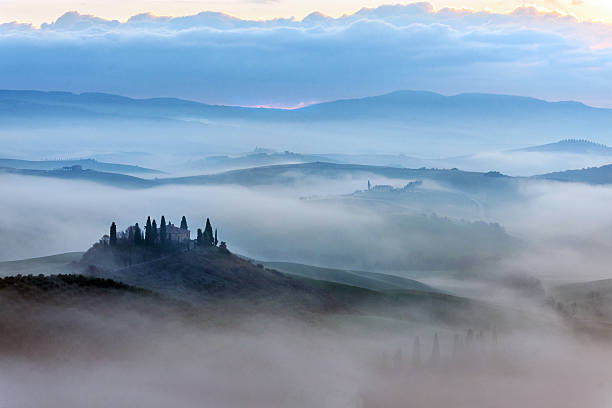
{"x": 211, "y": 276}
{"x": 44, "y": 314}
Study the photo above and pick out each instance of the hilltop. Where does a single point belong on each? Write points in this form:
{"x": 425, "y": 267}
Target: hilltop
{"x": 573, "y": 146}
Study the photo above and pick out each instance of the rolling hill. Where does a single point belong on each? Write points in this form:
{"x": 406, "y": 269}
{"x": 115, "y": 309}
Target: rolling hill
{"x": 571, "y": 146}
{"x": 366, "y": 280}
{"x": 593, "y": 175}
{"x": 86, "y": 164}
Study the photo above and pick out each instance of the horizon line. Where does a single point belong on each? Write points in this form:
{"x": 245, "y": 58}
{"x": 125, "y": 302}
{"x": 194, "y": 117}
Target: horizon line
{"x": 302, "y": 105}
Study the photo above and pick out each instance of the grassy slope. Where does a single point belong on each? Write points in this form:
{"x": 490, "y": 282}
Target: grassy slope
{"x": 365, "y": 280}
{"x": 47, "y": 265}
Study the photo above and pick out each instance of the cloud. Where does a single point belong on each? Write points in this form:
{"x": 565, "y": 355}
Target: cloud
{"x": 216, "y": 58}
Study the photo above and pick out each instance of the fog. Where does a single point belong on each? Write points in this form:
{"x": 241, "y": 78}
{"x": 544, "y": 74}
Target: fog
{"x": 551, "y": 230}
{"x": 103, "y": 355}
{"x": 126, "y": 360}
{"x": 49, "y": 216}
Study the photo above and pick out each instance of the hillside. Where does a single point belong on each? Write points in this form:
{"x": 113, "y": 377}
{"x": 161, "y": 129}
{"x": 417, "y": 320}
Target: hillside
{"x": 209, "y": 276}
{"x": 76, "y": 173}
{"x": 593, "y": 175}
{"x": 86, "y": 164}
{"x": 256, "y": 158}
{"x": 47, "y": 265}
{"x": 361, "y": 279}
{"x": 572, "y": 146}
{"x": 59, "y": 315}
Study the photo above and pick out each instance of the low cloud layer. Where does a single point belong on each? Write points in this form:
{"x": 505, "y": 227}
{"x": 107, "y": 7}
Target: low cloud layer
{"x": 219, "y": 59}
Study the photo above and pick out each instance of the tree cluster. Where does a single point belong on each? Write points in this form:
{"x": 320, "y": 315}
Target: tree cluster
{"x": 159, "y": 238}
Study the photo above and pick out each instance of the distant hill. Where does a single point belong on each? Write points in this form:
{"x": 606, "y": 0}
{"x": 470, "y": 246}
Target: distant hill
{"x": 255, "y": 159}
{"x": 593, "y": 175}
{"x": 77, "y": 173}
{"x": 86, "y": 164}
{"x": 294, "y": 174}
{"x": 574, "y": 146}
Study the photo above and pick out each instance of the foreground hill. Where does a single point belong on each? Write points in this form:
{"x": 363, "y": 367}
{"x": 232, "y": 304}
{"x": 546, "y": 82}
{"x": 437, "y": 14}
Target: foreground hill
{"x": 209, "y": 276}
{"x": 361, "y": 279}
{"x": 59, "y": 315}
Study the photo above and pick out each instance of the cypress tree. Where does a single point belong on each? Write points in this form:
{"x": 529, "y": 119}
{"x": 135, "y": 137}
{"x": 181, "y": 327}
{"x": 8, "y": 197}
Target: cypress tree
{"x": 209, "y": 240}
{"x": 162, "y": 232}
{"x": 416, "y": 353}
{"x": 199, "y": 238}
{"x": 148, "y": 233}
{"x": 184, "y": 223}
{"x": 435, "y": 352}
{"x": 137, "y": 235}
{"x": 113, "y": 234}
{"x": 216, "y": 240}
{"x": 154, "y": 233}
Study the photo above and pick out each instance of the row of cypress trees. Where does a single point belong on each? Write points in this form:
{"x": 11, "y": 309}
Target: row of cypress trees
{"x": 154, "y": 237}
{"x": 206, "y": 238}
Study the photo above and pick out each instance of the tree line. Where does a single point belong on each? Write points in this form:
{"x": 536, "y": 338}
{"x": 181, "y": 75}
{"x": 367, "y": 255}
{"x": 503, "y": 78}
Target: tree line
{"x": 160, "y": 237}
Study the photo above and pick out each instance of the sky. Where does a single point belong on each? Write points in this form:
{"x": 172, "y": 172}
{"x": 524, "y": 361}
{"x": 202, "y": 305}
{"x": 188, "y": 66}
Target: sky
{"x": 45, "y": 11}
{"x": 346, "y": 52}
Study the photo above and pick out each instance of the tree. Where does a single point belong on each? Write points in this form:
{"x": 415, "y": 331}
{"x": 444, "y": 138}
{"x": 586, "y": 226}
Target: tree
{"x": 216, "y": 240}
{"x": 223, "y": 246}
{"x": 200, "y": 236}
{"x": 435, "y": 352}
{"x": 209, "y": 240}
{"x": 148, "y": 233}
{"x": 113, "y": 234}
{"x": 137, "y": 235}
{"x": 163, "y": 235}
{"x": 184, "y": 223}
{"x": 416, "y": 352}
{"x": 154, "y": 233}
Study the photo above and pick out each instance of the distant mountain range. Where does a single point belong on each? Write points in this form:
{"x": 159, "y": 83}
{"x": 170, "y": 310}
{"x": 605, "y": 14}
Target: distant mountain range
{"x": 408, "y": 121}
{"x": 403, "y": 106}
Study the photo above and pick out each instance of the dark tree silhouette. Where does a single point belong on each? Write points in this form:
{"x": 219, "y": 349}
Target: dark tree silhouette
{"x": 184, "y": 223}
{"x": 148, "y": 233}
{"x": 209, "y": 240}
{"x": 435, "y": 352}
{"x": 113, "y": 234}
{"x": 223, "y": 246}
{"x": 163, "y": 235}
{"x": 154, "y": 237}
{"x": 216, "y": 240}
{"x": 200, "y": 237}
{"x": 137, "y": 235}
{"x": 416, "y": 352}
